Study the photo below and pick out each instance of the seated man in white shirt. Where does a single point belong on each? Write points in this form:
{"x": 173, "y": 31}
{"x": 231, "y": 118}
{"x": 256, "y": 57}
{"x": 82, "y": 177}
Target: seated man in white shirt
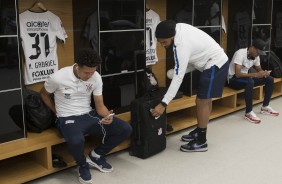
{"x": 73, "y": 88}
{"x": 240, "y": 78}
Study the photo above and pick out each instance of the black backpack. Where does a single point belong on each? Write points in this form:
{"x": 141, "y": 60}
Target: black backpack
{"x": 274, "y": 64}
{"x": 38, "y": 116}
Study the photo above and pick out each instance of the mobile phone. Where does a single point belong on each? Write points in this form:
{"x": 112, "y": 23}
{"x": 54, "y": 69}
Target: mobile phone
{"x": 108, "y": 116}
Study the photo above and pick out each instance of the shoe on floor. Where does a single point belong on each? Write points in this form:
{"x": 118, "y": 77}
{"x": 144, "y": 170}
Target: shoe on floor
{"x": 84, "y": 175}
{"x": 194, "y": 146}
{"x": 190, "y": 137}
{"x": 57, "y": 161}
{"x": 252, "y": 117}
{"x": 268, "y": 110}
{"x": 99, "y": 163}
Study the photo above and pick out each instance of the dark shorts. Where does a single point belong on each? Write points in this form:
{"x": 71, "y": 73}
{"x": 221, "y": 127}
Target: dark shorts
{"x": 212, "y": 82}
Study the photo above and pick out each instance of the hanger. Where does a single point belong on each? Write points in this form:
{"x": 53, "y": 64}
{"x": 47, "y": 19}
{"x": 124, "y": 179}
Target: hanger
{"x": 38, "y": 6}
{"x": 147, "y": 7}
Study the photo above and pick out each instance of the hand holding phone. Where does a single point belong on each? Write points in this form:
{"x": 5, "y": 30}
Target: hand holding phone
{"x": 108, "y": 116}
{"x": 267, "y": 73}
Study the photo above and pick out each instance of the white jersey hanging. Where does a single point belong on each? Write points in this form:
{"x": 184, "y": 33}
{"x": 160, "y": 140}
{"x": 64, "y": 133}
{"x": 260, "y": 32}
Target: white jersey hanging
{"x": 39, "y": 33}
{"x": 152, "y": 20}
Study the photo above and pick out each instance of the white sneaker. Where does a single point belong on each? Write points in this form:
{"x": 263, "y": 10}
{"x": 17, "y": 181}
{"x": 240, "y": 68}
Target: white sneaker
{"x": 252, "y": 117}
{"x": 268, "y": 110}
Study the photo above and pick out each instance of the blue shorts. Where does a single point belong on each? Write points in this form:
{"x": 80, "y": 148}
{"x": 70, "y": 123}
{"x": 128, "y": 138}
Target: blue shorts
{"x": 212, "y": 82}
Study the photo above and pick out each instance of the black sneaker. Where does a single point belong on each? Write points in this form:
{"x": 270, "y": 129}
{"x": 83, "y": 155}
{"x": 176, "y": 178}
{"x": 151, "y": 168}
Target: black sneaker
{"x": 190, "y": 137}
{"x": 194, "y": 146}
{"x": 99, "y": 163}
{"x": 84, "y": 174}
{"x": 57, "y": 161}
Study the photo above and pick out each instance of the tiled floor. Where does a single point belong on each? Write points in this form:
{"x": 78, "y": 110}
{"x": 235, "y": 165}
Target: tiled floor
{"x": 239, "y": 153}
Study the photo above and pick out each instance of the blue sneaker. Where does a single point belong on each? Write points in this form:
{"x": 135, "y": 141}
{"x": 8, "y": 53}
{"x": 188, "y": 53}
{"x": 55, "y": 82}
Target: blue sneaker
{"x": 84, "y": 174}
{"x": 99, "y": 163}
{"x": 194, "y": 146}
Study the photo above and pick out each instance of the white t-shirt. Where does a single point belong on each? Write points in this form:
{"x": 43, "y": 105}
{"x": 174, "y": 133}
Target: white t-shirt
{"x": 39, "y": 33}
{"x": 152, "y": 20}
{"x": 194, "y": 47}
{"x": 72, "y": 95}
{"x": 240, "y": 58}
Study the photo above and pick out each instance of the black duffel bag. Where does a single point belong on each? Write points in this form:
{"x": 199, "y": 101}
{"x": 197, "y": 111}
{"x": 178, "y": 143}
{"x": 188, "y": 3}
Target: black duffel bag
{"x": 37, "y": 114}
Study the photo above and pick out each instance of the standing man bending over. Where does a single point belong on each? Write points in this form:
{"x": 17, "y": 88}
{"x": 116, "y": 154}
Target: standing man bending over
{"x": 193, "y": 46}
{"x": 239, "y": 78}
{"x": 73, "y": 87}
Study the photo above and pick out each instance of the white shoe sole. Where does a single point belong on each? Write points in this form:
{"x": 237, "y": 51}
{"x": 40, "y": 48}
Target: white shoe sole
{"x": 267, "y": 113}
{"x": 186, "y": 140}
{"x": 256, "y": 122}
{"x": 85, "y": 182}
{"x": 197, "y": 150}
{"x": 89, "y": 161}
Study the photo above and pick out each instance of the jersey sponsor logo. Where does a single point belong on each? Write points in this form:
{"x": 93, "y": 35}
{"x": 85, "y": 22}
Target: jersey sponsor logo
{"x": 37, "y": 24}
{"x": 37, "y": 29}
{"x": 150, "y": 58}
{"x": 42, "y": 73}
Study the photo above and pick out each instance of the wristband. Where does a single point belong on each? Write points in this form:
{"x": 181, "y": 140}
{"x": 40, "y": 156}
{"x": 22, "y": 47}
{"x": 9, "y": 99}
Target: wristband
{"x": 163, "y": 104}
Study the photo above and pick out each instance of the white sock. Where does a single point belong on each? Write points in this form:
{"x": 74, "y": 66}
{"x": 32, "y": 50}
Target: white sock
{"x": 93, "y": 154}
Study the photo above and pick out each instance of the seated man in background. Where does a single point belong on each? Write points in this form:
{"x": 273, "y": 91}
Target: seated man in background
{"x": 73, "y": 87}
{"x": 240, "y": 78}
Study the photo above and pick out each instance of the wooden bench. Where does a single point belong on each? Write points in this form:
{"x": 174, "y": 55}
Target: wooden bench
{"x": 30, "y": 158}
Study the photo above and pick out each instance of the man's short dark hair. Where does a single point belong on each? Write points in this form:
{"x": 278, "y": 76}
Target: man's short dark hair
{"x": 165, "y": 29}
{"x": 88, "y": 57}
